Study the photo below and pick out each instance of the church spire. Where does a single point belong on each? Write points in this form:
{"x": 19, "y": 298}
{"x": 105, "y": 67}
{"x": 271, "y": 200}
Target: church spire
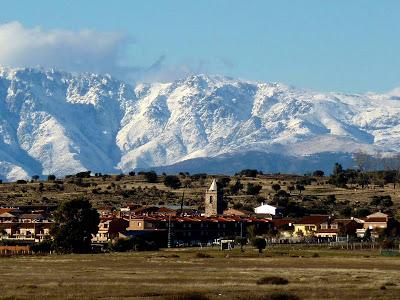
{"x": 213, "y": 186}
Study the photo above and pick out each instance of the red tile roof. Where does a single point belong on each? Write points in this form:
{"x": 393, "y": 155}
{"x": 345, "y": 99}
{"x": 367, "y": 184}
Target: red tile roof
{"x": 313, "y": 219}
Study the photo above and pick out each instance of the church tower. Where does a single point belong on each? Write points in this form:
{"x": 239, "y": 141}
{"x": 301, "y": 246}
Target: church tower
{"x": 213, "y": 201}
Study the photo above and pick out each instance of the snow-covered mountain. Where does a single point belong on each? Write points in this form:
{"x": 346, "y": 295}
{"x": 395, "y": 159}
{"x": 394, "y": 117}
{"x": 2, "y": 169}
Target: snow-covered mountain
{"x": 59, "y": 123}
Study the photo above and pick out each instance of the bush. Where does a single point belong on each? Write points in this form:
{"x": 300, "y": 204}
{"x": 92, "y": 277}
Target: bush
{"x": 281, "y": 296}
{"x": 203, "y": 255}
{"x": 273, "y": 280}
{"x": 188, "y": 296}
{"x": 44, "y": 246}
{"x": 122, "y": 245}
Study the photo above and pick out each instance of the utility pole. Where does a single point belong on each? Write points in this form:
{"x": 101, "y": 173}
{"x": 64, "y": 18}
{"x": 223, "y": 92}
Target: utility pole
{"x": 169, "y": 231}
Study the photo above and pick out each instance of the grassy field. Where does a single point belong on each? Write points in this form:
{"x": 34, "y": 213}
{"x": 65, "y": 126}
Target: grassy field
{"x": 311, "y": 274}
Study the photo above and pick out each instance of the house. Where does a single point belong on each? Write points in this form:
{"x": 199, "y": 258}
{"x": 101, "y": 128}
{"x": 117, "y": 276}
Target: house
{"x": 25, "y": 232}
{"x": 193, "y": 230}
{"x": 237, "y": 212}
{"x": 374, "y": 222}
{"x": 109, "y": 228}
{"x": 268, "y": 209}
{"x": 31, "y": 218}
{"x": 308, "y": 226}
{"x": 284, "y": 227}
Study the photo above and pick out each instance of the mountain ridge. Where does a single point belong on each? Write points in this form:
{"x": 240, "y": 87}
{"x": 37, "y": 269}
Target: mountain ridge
{"x": 54, "y": 122}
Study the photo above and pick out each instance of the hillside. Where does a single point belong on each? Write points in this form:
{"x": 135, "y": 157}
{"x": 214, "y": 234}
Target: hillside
{"x": 59, "y": 123}
{"x": 118, "y": 191}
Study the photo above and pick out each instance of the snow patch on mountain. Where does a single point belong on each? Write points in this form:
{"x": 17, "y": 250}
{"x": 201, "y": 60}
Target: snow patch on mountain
{"x": 54, "y": 122}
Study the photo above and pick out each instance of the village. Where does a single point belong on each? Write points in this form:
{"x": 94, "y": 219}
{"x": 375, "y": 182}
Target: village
{"x": 169, "y": 226}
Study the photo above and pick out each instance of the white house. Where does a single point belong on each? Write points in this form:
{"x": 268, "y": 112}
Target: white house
{"x": 268, "y": 209}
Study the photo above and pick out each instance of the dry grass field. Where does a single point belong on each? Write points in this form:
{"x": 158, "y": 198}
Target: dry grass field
{"x": 329, "y": 274}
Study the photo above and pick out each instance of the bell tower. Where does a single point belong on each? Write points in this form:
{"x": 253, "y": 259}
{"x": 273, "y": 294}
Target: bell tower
{"x": 213, "y": 201}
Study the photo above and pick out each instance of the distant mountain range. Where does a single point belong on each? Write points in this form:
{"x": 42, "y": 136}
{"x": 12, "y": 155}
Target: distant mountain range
{"x": 60, "y": 123}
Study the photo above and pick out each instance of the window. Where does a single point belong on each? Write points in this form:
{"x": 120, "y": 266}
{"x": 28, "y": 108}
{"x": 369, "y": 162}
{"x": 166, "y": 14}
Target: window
{"x": 211, "y": 199}
{"x": 139, "y": 224}
{"x": 105, "y": 225}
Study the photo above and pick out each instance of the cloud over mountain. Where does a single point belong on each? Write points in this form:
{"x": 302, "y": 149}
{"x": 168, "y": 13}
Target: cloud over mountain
{"x": 79, "y": 51}
{"x": 83, "y": 51}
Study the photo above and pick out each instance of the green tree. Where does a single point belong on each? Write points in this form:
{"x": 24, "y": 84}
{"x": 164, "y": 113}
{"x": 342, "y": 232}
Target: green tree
{"x": 234, "y": 189}
{"x": 260, "y": 244}
{"x": 300, "y": 188}
{"x": 276, "y": 187}
{"x": 51, "y": 178}
{"x": 318, "y": 173}
{"x": 241, "y": 241}
{"x": 75, "y": 223}
{"x": 172, "y": 182}
{"x": 150, "y": 177}
{"x": 253, "y": 189}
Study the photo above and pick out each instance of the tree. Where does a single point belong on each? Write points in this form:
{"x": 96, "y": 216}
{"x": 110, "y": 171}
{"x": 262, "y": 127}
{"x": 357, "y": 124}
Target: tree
{"x": 300, "y": 188}
{"x": 150, "y": 177}
{"x": 131, "y": 173}
{"x": 234, "y": 189}
{"x": 386, "y": 201}
{"x": 75, "y": 223}
{"x": 337, "y": 169}
{"x": 276, "y": 187}
{"x": 291, "y": 188}
{"x": 375, "y": 201}
{"x": 35, "y": 177}
{"x": 51, "y": 177}
{"x": 249, "y": 173}
{"x": 241, "y": 241}
{"x": 363, "y": 179}
{"x": 260, "y": 244}
{"x": 331, "y": 199}
{"x": 318, "y": 173}
{"x": 251, "y": 233}
{"x": 172, "y": 181}
{"x": 253, "y": 189}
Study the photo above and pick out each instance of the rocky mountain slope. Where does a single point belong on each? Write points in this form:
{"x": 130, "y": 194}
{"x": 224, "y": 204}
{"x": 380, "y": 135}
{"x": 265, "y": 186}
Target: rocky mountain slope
{"x": 59, "y": 123}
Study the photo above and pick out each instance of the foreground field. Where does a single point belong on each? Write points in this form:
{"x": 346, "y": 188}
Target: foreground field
{"x": 312, "y": 274}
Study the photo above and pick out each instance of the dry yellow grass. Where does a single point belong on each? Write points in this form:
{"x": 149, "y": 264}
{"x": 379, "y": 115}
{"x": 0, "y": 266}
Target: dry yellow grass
{"x": 158, "y": 275}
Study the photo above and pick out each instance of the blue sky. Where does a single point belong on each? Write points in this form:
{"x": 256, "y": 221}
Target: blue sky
{"x": 340, "y": 45}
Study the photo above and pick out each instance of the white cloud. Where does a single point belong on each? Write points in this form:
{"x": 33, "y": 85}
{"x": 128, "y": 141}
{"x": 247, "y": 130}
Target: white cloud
{"x": 85, "y": 50}
{"x": 81, "y": 51}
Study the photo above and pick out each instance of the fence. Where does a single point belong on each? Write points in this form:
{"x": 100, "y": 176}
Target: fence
{"x": 10, "y": 250}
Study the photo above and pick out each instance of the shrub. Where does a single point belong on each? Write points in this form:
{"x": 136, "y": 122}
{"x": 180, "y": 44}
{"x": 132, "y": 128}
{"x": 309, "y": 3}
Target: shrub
{"x": 188, "y": 296}
{"x": 281, "y": 296}
{"x": 273, "y": 280}
{"x": 203, "y": 255}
